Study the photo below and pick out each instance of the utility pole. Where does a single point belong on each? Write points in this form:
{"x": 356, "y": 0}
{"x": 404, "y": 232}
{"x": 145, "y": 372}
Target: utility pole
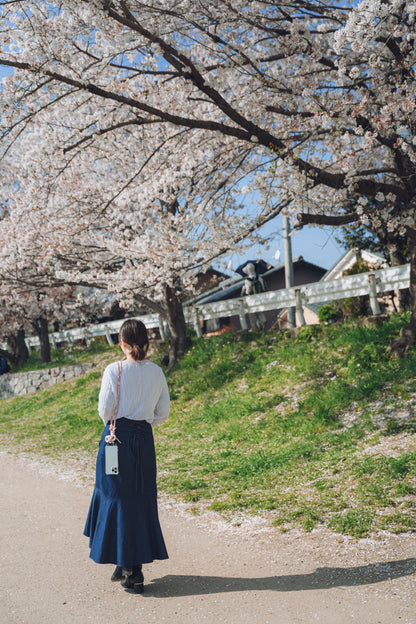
{"x": 289, "y": 276}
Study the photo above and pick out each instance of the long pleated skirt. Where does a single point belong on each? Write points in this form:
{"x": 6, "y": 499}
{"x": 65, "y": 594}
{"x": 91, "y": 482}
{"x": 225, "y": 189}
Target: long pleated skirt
{"x": 123, "y": 524}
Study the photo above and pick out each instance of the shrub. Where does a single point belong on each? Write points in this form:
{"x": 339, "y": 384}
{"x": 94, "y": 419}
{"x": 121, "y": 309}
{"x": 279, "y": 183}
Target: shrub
{"x": 329, "y": 313}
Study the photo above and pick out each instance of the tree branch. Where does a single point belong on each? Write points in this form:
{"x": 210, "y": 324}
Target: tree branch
{"x": 245, "y": 130}
{"x": 318, "y": 219}
{"x": 140, "y": 121}
{"x": 159, "y": 115}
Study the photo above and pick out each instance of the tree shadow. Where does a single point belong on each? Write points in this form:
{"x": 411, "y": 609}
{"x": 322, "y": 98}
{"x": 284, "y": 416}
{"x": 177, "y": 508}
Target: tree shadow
{"x": 322, "y": 578}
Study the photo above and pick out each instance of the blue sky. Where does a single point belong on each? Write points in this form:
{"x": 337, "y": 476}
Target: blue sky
{"x": 316, "y": 245}
{"x": 4, "y": 71}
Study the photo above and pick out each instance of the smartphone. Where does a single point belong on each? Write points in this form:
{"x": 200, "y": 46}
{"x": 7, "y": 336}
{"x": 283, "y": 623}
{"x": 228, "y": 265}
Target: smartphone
{"x": 111, "y": 459}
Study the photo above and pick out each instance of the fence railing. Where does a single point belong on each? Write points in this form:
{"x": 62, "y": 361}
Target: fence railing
{"x": 373, "y": 283}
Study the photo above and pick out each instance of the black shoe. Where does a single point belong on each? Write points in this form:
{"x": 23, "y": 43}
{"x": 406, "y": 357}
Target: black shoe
{"x": 133, "y": 579}
{"x": 117, "y": 574}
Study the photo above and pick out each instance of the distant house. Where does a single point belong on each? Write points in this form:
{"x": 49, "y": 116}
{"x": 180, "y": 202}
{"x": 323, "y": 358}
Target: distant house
{"x": 310, "y": 311}
{"x": 372, "y": 260}
{"x": 273, "y": 279}
{"x": 208, "y": 280}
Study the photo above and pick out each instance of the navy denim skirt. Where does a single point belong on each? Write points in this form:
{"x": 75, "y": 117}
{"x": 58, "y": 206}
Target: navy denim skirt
{"x": 123, "y": 523}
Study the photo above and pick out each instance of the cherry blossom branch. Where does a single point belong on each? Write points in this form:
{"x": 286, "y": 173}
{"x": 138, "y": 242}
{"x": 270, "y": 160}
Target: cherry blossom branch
{"x": 274, "y": 212}
{"x": 102, "y": 131}
{"x": 247, "y": 130}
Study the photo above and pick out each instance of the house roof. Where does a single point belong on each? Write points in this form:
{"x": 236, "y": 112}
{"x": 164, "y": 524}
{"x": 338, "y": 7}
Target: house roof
{"x": 349, "y": 258}
{"x": 228, "y": 287}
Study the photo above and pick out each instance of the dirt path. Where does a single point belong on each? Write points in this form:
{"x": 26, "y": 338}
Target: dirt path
{"x": 214, "y": 575}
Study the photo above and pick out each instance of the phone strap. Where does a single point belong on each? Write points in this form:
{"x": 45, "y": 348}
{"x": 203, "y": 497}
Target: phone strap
{"x": 111, "y": 438}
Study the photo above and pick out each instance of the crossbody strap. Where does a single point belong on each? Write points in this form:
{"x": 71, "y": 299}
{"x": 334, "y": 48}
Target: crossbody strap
{"x": 111, "y": 438}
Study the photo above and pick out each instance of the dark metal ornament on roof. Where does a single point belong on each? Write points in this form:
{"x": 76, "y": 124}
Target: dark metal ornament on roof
{"x": 260, "y": 267}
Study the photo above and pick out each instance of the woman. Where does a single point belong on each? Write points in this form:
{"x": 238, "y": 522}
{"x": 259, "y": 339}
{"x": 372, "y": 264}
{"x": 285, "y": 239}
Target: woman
{"x": 123, "y": 523}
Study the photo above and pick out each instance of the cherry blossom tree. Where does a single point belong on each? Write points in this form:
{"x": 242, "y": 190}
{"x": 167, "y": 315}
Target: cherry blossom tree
{"x": 27, "y": 310}
{"x": 115, "y": 105}
{"x": 33, "y": 297}
{"x": 141, "y": 249}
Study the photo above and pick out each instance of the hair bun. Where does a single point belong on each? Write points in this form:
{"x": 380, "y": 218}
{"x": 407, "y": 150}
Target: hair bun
{"x": 138, "y": 352}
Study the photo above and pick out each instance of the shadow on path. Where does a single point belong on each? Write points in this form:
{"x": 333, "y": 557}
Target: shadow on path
{"x": 323, "y": 578}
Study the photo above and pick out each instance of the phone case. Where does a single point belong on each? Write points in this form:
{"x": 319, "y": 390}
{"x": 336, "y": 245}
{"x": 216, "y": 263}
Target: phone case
{"x": 111, "y": 459}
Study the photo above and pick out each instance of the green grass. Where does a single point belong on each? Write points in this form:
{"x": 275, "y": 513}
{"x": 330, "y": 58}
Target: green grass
{"x": 56, "y": 420}
{"x": 256, "y": 427}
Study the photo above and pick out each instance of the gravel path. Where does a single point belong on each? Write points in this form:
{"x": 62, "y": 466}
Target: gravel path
{"x": 215, "y": 574}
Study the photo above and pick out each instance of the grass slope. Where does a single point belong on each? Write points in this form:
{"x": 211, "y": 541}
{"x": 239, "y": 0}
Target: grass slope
{"x": 262, "y": 423}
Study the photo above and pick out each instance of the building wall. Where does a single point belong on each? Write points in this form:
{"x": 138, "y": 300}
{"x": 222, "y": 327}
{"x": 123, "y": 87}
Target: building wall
{"x": 303, "y": 274}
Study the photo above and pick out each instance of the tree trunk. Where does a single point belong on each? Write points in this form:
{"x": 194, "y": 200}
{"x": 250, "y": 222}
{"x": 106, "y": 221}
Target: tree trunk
{"x": 41, "y": 328}
{"x": 9, "y": 356}
{"x": 179, "y": 340}
{"x": 408, "y": 334}
{"x": 412, "y": 287}
{"x": 397, "y": 258}
{"x": 18, "y": 346}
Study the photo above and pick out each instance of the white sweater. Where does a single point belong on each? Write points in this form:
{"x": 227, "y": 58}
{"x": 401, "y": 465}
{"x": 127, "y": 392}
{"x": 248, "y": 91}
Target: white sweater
{"x": 144, "y": 392}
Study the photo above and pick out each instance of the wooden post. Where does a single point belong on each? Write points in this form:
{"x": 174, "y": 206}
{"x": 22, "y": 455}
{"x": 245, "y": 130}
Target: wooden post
{"x": 375, "y": 307}
{"x": 299, "y": 307}
{"x": 196, "y": 323}
{"x": 242, "y": 314}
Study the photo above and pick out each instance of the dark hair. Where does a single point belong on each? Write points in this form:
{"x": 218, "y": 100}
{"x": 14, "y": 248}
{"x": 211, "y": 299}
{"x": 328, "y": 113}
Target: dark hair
{"x": 134, "y": 333}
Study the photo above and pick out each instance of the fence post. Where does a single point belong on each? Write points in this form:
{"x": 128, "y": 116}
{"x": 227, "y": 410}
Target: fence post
{"x": 162, "y": 328}
{"x": 242, "y": 314}
{"x": 373, "y": 295}
{"x": 197, "y": 325}
{"x": 252, "y": 319}
{"x": 108, "y": 336}
{"x": 53, "y": 340}
{"x": 86, "y": 337}
{"x": 299, "y": 307}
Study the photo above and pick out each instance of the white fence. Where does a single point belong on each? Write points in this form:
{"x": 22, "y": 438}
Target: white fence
{"x": 373, "y": 283}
